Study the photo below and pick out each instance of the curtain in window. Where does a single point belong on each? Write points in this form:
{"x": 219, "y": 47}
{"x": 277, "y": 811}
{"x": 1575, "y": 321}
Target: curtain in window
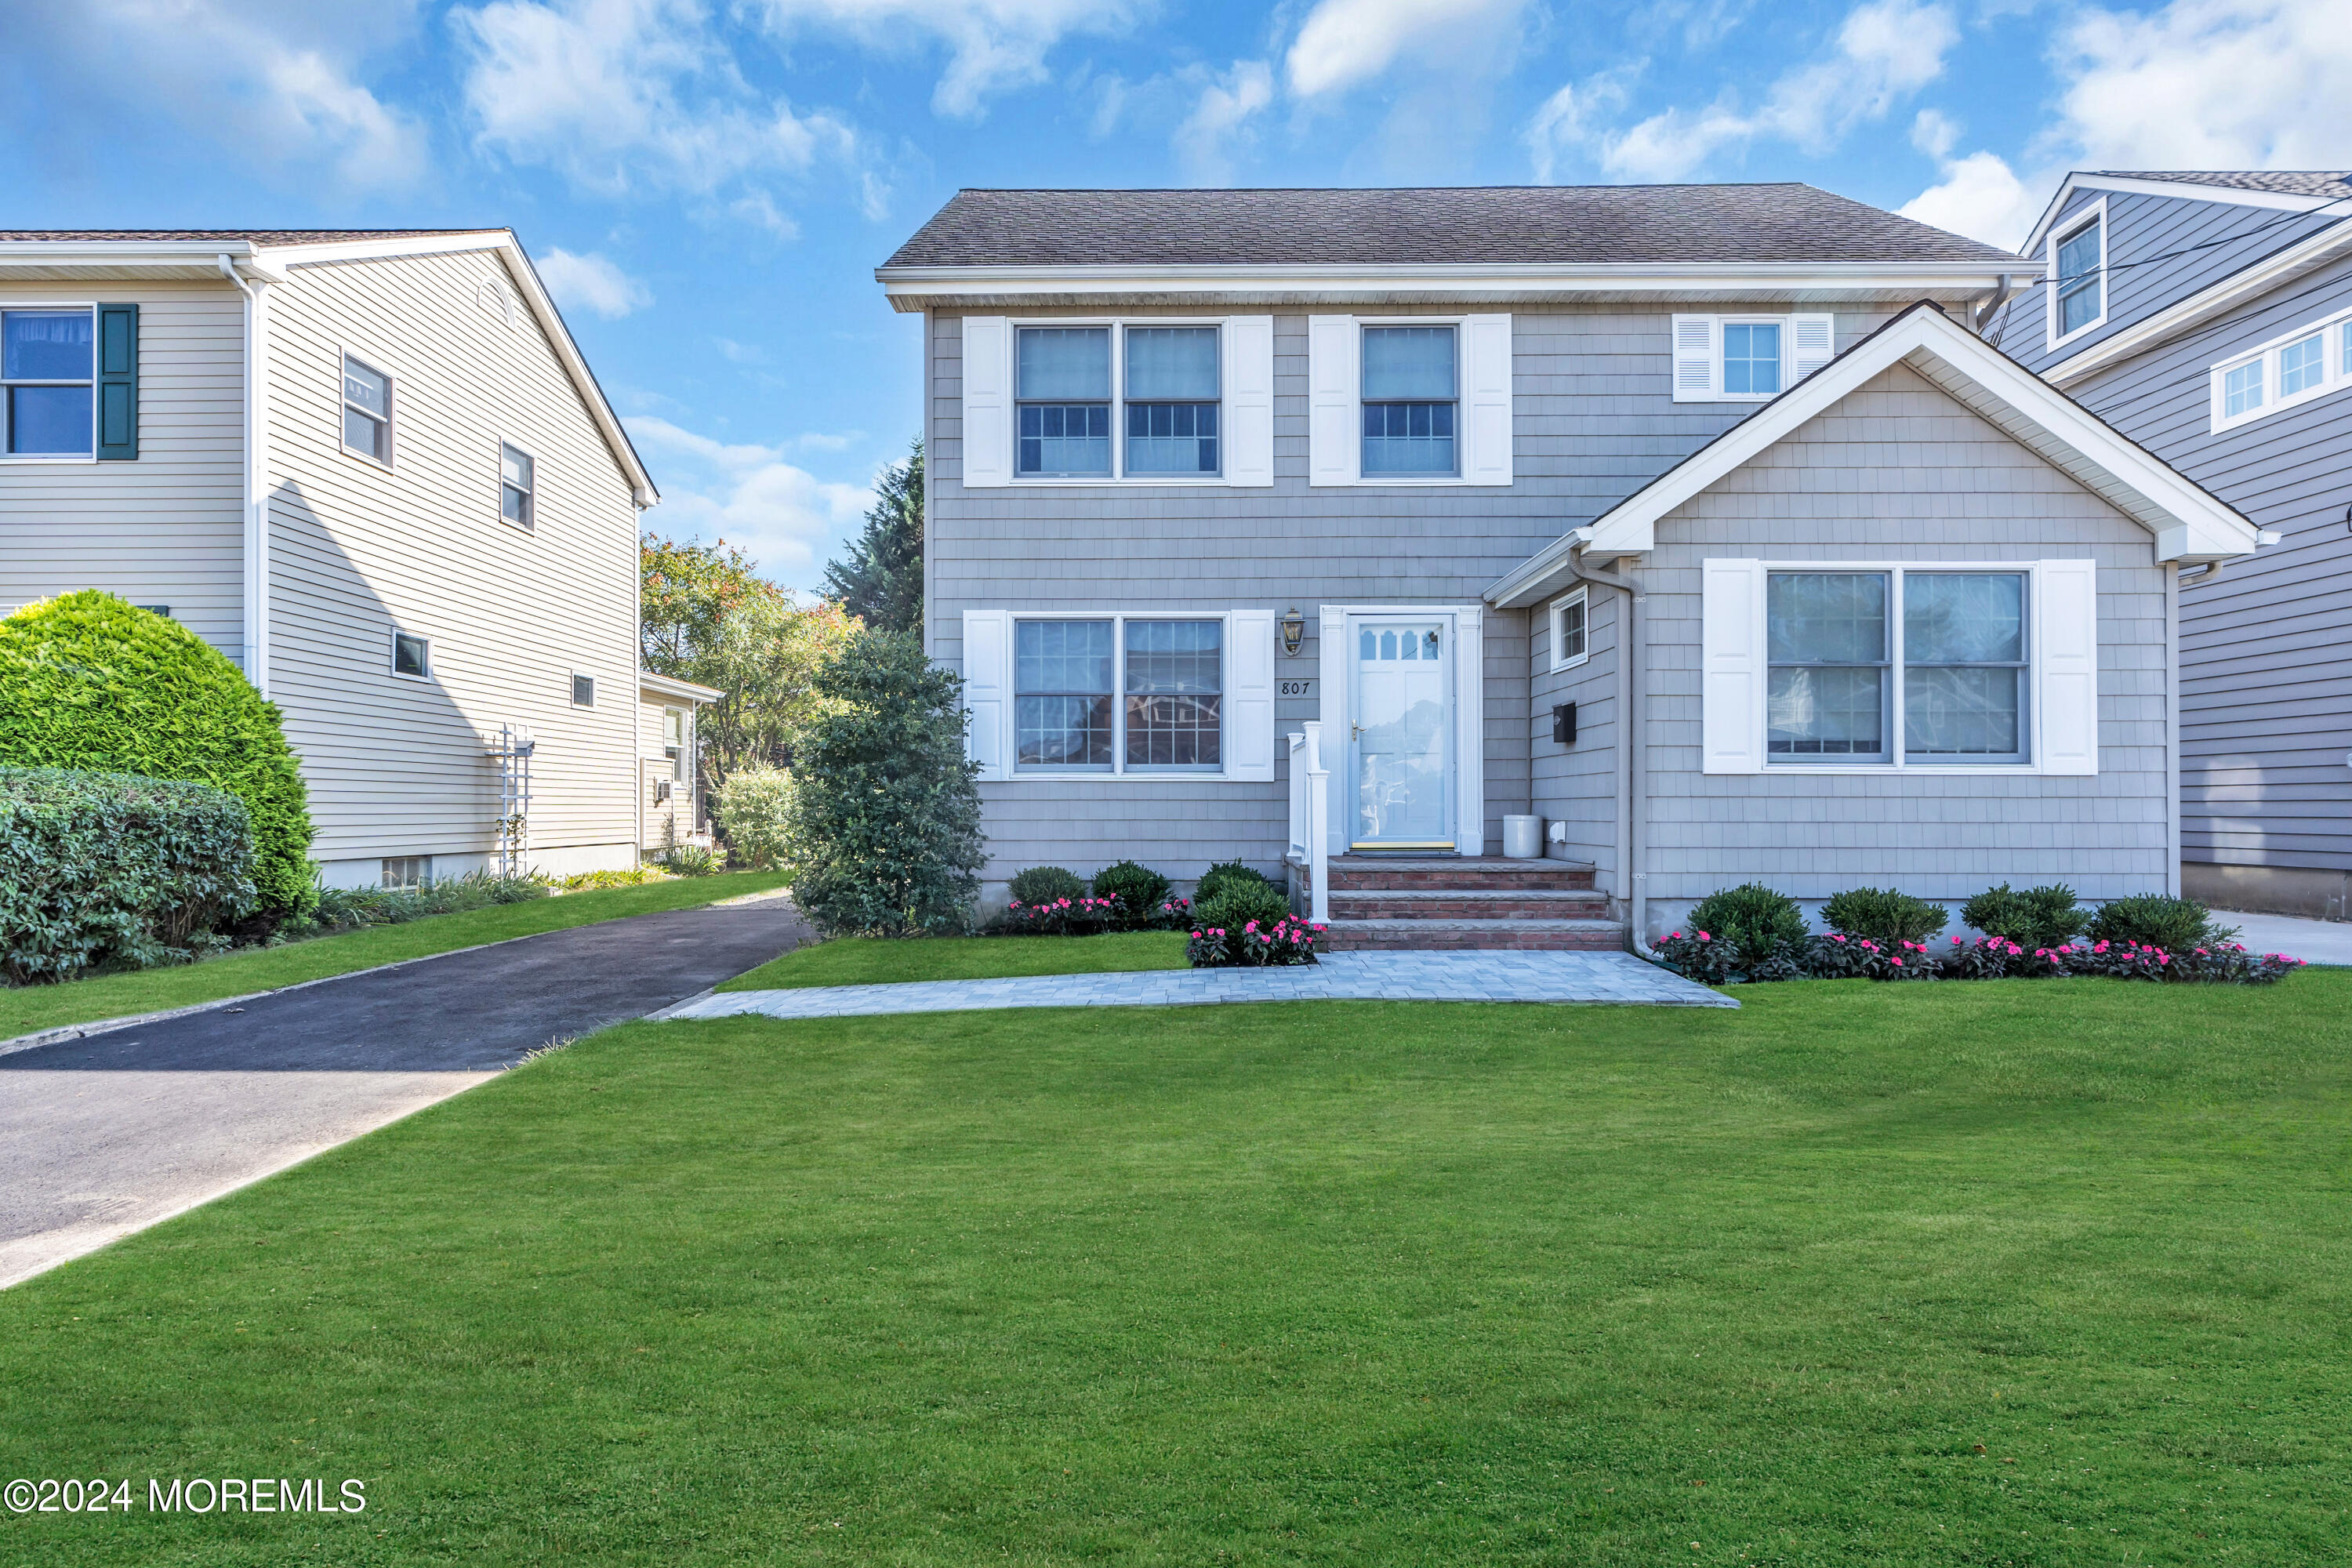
{"x": 46, "y": 345}
{"x": 1408, "y": 362}
{"x": 1072, "y": 363}
{"x": 1171, "y": 363}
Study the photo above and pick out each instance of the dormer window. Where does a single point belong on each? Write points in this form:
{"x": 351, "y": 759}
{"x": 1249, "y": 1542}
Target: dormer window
{"x": 2078, "y": 276}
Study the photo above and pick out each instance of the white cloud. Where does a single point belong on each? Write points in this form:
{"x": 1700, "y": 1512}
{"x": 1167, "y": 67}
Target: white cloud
{"x": 1935, "y": 133}
{"x": 623, "y": 95}
{"x": 1884, "y": 51}
{"x": 273, "y": 84}
{"x": 2209, "y": 84}
{"x": 748, "y": 495}
{"x": 1206, "y": 141}
{"x": 1344, "y": 43}
{"x": 994, "y": 45}
{"x": 1563, "y": 123}
{"x": 1980, "y": 197}
{"x": 590, "y": 282}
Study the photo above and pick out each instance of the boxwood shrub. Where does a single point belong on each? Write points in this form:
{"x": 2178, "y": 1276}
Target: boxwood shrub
{"x": 1140, "y": 890}
{"x": 2040, "y": 917}
{"x": 1225, "y": 874}
{"x": 1045, "y": 885}
{"x": 100, "y": 869}
{"x": 89, "y": 681}
{"x": 1885, "y": 916}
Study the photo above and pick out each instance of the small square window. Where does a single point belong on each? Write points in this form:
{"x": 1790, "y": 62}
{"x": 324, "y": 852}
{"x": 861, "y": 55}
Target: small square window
{"x": 516, "y": 495}
{"x": 411, "y": 655}
{"x": 583, "y": 692}
{"x": 2303, "y": 366}
{"x": 407, "y": 873}
{"x": 2241, "y": 389}
{"x": 367, "y": 411}
{"x": 1567, "y": 630}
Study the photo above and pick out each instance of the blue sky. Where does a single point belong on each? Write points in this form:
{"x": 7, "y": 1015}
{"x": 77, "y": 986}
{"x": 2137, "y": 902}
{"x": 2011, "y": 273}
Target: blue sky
{"x": 708, "y": 187}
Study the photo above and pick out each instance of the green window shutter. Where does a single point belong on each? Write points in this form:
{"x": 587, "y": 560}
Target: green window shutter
{"x": 118, "y": 383}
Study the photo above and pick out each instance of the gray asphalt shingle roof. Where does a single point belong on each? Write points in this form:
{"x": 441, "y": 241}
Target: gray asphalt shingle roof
{"x": 1524, "y": 223}
{"x": 2278, "y": 182}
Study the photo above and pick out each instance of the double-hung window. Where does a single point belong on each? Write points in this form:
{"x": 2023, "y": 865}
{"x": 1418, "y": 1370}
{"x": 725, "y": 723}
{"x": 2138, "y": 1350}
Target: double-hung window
{"x": 1847, "y": 650}
{"x": 47, "y": 378}
{"x": 1118, "y": 694}
{"x": 1171, "y": 400}
{"x": 1063, "y": 384}
{"x": 1411, "y": 401}
{"x": 2078, "y": 286}
{"x": 518, "y": 489}
{"x": 367, "y": 411}
{"x": 2313, "y": 361}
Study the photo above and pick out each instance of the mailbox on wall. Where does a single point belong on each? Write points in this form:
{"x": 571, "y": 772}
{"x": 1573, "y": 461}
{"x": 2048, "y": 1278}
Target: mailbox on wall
{"x": 1563, "y": 725}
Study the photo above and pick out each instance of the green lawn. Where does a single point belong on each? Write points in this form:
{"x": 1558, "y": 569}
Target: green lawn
{"x": 2027, "y": 1272}
{"x": 23, "y": 1009}
{"x": 852, "y": 960}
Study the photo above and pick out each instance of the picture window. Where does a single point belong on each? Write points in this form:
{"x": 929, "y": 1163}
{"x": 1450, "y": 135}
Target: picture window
{"x": 47, "y": 383}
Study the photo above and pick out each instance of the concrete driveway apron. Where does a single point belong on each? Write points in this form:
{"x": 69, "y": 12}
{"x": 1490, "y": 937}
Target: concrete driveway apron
{"x": 108, "y": 1134}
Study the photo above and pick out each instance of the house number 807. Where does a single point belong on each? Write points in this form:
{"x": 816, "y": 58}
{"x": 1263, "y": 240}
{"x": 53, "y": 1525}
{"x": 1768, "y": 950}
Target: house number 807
{"x": 1296, "y": 688}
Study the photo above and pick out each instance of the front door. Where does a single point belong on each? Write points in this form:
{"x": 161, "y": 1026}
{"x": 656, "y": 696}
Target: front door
{"x": 1401, "y": 733}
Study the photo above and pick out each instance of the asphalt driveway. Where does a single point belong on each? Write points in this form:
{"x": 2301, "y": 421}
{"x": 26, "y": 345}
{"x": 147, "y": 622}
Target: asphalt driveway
{"x": 106, "y": 1135}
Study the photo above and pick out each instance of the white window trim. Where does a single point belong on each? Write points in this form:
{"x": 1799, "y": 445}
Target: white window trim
{"x": 531, "y": 505}
{"x": 1221, "y": 773}
{"x": 1792, "y": 370}
{"x": 2036, "y": 669}
{"x": 1461, "y": 325}
{"x": 1118, "y": 475}
{"x": 1578, "y": 597}
{"x": 392, "y": 655}
{"x": 393, "y": 380}
{"x": 2335, "y": 365}
{"x": 2082, "y": 218}
{"x": 1468, "y": 402}
{"x": 15, "y": 460}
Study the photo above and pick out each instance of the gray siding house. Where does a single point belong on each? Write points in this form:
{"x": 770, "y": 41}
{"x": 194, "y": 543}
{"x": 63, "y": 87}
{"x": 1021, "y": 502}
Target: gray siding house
{"x": 2209, "y": 316}
{"x": 1337, "y": 529}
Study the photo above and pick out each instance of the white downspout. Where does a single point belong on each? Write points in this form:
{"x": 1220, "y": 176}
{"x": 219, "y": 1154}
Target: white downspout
{"x": 257, "y": 474}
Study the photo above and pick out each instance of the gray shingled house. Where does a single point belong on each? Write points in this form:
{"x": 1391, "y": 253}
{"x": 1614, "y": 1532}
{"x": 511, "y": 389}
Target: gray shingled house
{"x": 2208, "y": 315}
{"x": 1339, "y": 528}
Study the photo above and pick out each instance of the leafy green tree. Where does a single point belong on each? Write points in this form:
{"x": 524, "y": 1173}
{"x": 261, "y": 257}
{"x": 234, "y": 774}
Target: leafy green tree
{"x": 687, "y": 593}
{"x": 881, "y": 582}
{"x": 886, "y": 835}
{"x": 765, "y": 656}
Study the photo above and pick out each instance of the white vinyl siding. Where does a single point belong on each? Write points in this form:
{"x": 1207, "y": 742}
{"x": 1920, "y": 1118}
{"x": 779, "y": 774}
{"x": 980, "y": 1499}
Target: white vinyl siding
{"x": 2058, "y": 694}
{"x": 1710, "y": 353}
{"x": 2291, "y": 369}
{"x": 1483, "y": 421}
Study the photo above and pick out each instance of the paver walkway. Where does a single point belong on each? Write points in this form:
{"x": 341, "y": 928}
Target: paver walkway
{"x": 1604, "y": 977}
{"x": 2313, "y": 941}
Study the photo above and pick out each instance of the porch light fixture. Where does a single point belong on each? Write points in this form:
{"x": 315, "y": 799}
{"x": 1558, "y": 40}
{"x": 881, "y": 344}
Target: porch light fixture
{"x": 1294, "y": 631}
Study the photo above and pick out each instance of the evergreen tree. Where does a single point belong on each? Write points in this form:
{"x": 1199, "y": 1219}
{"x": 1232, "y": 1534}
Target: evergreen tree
{"x": 881, "y": 582}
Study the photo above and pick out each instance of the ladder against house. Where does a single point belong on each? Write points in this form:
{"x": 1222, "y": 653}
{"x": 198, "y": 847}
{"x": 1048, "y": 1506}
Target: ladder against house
{"x": 1403, "y": 903}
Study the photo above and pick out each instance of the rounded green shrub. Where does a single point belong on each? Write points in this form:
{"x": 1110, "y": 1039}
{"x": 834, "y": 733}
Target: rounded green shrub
{"x": 1139, "y": 891}
{"x": 1756, "y": 920}
{"x": 2036, "y": 919}
{"x": 1223, "y": 875}
{"x": 1044, "y": 884}
{"x": 2175, "y": 925}
{"x": 755, "y": 809}
{"x": 1882, "y": 914}
{"x": 1237, "y": 902}
{"x": 89, "y": 681}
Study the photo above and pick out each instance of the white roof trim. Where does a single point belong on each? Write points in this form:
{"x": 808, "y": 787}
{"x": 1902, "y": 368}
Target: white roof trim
{"x": 2213, "y": 301}
{"x": 929, "y": 288}
{"x": 671, "y": 686}
{"x": 2181, "y": 190}
{"x": 2189, "y": 524}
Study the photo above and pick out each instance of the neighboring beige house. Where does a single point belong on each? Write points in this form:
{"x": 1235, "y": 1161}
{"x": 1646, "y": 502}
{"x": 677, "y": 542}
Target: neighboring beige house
{"x": 374, "y": 470}
{"x": 667, "y": 753}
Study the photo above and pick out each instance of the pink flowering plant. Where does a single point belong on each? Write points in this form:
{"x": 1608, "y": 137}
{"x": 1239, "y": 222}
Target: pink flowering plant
{"x": 1255, "y": 944}
{"x": 1082, "y": 916}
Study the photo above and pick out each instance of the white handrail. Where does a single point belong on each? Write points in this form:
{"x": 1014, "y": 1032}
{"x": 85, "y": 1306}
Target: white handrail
{"x": 1317, "y": 794}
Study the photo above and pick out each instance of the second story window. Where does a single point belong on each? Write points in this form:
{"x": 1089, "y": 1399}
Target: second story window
{"x": 47, "y": 359}
{"x": 516, "y": 492}
{"x": 1409, "y": 401}
{"x": 1751, "y": 359}
{"x": 367, "y": 411}
{"x": 2080, "y": 284}
{"x": 1172, "y": 400}
{"x": 1063, "y": 386}
{"x": 2303, "y": 365}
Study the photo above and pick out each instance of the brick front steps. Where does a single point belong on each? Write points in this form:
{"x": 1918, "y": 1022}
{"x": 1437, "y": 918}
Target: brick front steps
{"x": 1386, "y": 903}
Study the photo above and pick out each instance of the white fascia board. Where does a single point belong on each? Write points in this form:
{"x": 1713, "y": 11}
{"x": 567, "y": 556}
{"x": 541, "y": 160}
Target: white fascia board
{"x": 917, "y": 288}
{"x": 2129, "y": 477}
{"x": 2208, "y": 304}
{"x": 172, "y": 256}
{"x": 397, "y": 245}
{"x": 2180, "y": 190}
{"x": 671, "y": 686}
{"x": 1540, "y": 575}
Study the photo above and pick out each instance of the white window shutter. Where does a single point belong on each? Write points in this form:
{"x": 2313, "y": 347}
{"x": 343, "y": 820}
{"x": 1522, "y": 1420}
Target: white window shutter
{"x": 1249, "y": 695}
{"x": 2066, "y": 665}
{"x": 1333, "y": 384}
{"x": 1732, "y": 689}
{"x": 1249, "y": 400}
{"x": 1698, "y": 365}
{"x": 1812, "y": 343}
{"x": 987, "y": 689}
{"x": 1486, "y": 399}
{"x": 987, "y": 400}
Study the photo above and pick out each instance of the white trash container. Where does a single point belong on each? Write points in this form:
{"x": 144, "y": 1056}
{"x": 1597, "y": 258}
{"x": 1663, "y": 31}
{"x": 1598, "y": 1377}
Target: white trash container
{"x": 1523, "y": 837}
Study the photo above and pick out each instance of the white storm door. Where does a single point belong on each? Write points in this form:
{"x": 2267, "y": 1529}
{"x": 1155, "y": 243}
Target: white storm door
{"x": 1401, "y": 732}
